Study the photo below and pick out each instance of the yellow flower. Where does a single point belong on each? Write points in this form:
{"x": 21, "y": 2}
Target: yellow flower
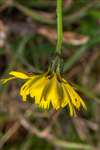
{"x": 48, "y": 89}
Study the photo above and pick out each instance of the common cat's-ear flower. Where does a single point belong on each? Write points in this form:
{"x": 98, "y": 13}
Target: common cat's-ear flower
{"x": 48, "y": 89}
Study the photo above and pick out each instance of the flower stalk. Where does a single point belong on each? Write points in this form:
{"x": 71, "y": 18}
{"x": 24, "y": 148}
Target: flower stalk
{"x": 59, "y": 27}
{"x": 56, "y": 63}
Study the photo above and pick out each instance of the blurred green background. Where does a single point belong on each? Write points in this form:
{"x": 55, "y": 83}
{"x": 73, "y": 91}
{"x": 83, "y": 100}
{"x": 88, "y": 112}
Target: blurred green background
{"x": 27, "y": 43}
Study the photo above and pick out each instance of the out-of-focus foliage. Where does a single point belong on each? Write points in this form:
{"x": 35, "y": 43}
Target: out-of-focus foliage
{"x": 27, "y": 43}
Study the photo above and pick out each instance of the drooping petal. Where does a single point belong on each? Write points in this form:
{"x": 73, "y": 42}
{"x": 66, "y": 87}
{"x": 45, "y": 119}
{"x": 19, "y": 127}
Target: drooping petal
{"x": 24, "y": 90}
{"x": 75, "y": 98}
{"x": 52, "y": 93}
{"x": 44, "y": 104}
{"x": 37, "y": 88}
{"x": 67, "y": 101}
{"x": 19, "y": 75}
{"x": 3, "y": 81}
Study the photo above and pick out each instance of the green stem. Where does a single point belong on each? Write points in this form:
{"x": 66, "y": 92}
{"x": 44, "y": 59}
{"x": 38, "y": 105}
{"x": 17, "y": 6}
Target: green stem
{"x": 59, "y": 27}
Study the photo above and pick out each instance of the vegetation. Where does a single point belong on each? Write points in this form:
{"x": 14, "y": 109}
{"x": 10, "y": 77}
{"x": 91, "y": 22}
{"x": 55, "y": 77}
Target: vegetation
{"x": 27, "y": 43}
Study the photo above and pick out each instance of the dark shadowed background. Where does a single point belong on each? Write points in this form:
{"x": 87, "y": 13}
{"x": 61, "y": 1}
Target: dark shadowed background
{"x": 27, "y": 43}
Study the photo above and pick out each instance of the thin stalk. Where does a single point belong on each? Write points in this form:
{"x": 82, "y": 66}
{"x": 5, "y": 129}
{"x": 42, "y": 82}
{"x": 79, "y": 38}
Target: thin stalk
{"x": 59, "y": 27}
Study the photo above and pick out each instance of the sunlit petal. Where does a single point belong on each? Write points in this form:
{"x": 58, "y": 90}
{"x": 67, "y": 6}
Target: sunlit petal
{"x": 45, "y": 104}
{"x": 6, "y": 80}
{"x": 19, "y": 75}
{"x": 52, "y": 93}
{"x": 67, "y": 101}
{"x": 24, "y": 90}
{"x": 76, "y": 99}
{"x": 37, "y": 88}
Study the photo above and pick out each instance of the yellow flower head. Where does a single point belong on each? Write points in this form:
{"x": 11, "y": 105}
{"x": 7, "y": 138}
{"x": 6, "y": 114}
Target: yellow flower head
{"x": 48, "y": 89}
